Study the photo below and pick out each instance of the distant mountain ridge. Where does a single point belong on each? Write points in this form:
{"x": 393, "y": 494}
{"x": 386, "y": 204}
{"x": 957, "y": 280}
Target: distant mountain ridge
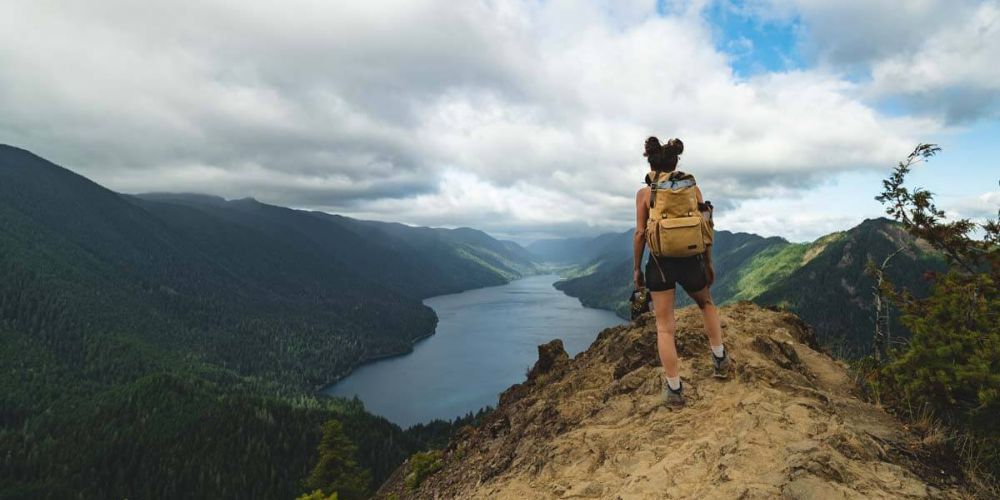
{"x": 824, "y": 281}
{"x": 575, "y": 250}
{"x": 188, "y": 333}
{"x": 415, "y": 261}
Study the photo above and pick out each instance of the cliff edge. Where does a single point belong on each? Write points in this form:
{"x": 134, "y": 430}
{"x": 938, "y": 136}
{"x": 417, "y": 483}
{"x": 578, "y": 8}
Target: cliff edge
{"x": 785, "y": 424}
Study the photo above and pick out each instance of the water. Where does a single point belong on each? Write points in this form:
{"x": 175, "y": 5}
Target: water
{"x": 486, "y": 340}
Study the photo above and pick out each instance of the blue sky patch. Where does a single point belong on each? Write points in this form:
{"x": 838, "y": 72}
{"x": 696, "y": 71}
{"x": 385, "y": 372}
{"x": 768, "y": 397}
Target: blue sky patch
{"x": 755, "y": 45}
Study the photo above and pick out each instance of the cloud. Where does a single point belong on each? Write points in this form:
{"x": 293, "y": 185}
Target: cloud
{"x": 936, "y": 56}
{"x": 954, "y": 71}
{"x": 977, "y": 208}
{"x": 511, "y": 116}
{"x": 861, "y": 32}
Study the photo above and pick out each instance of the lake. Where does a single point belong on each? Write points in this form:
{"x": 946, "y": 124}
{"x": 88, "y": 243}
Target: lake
{"x": 486, "y": 340}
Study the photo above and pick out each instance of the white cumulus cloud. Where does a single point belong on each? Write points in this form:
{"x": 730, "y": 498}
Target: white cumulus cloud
{"x": 517, "y": 117}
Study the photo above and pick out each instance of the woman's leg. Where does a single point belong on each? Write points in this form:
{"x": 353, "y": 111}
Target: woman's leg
{"x": 663, "y": 308}
{"x": 709, "y": 313}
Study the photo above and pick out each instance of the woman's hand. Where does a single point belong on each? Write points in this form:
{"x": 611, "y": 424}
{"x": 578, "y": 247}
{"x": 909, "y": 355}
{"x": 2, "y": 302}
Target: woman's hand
{"x": 637, "y": 278}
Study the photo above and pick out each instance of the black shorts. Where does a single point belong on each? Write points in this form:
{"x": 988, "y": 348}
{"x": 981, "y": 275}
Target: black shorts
{"x": 688, "y": 271}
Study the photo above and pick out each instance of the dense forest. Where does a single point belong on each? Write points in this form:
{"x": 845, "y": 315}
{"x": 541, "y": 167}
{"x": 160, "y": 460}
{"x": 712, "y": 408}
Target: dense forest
{"x": 824, "y": 282}
{"x": 157, "y": 344}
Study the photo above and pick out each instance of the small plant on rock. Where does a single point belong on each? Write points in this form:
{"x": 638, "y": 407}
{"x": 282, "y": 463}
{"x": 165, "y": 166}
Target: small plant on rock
{"x": 423, "y": 465}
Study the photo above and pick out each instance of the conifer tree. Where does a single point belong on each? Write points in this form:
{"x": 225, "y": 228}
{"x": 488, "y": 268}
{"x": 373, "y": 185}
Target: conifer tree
{"x": 951, "y": 365}
{"x": 337, "y": 471}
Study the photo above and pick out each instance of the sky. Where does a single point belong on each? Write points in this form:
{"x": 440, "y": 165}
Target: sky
{"x": 525, "y": 119}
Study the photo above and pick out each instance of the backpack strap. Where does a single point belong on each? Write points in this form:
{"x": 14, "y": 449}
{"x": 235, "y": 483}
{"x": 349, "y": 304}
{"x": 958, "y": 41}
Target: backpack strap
{"x": 651, "y": 177}
{"x": 651, "y": 181}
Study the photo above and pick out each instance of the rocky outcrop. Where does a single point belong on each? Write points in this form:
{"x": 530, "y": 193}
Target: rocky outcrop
{"x": 786, "y": 424}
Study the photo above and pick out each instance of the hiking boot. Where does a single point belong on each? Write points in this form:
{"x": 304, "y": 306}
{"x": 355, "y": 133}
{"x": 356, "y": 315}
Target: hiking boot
{"x": 672, "y": 397}
{"x": 722, "y": 365}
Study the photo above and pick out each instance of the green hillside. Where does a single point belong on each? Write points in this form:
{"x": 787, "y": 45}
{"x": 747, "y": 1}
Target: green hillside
{"x": 761, "y": 271}
{"x": 159, "y": 344}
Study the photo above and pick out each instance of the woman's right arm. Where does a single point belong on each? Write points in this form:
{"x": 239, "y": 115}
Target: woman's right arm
{"x": 639, "y": 238}
{"x": 709, "y": 269}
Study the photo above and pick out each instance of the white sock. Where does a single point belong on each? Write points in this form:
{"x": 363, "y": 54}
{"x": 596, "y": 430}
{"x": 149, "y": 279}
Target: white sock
{"x": 718, "y": 351}
{"x": 674, "y": 383}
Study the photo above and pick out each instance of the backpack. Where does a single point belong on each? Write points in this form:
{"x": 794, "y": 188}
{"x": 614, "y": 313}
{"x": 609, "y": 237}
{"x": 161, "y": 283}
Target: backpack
{"x": 676, "y": 226}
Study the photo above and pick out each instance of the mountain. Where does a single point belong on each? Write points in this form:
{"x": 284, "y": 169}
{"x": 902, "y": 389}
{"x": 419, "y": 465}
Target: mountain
{"x": 161, "y": 344}
{"x": 416, "y": 261}
{"x": 787, "y": 425}
{"x": 823, "y": 282}
{"x": 458, "y": 251}
{"x": 829, "y": 289}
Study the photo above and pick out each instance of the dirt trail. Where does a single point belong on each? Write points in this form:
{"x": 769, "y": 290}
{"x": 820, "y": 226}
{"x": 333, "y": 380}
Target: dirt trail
{"x": 785, "y": 424}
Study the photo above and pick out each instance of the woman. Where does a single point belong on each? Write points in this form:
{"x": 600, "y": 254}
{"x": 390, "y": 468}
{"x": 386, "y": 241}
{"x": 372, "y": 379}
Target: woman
{"x": 695, "y": 274}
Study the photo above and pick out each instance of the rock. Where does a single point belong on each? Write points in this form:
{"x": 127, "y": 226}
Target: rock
{"x": 812, "y": 487}
{"x": 550, "y": 355}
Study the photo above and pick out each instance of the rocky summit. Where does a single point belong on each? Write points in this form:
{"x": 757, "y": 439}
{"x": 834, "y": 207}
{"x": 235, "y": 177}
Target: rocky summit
{"x": 786, "y": 424}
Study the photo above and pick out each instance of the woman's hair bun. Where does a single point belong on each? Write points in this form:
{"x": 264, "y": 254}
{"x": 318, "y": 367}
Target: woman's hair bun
{"x": 674, "y": 146}
{"x": 652, "y": 146}
{"x": 663, "y": 158}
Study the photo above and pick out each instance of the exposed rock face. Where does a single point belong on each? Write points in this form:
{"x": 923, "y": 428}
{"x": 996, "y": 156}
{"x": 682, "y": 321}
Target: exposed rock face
{"x": 784, "y": 425}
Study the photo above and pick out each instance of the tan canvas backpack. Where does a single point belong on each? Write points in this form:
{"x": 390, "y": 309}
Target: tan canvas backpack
{"x": 676, "y": 227}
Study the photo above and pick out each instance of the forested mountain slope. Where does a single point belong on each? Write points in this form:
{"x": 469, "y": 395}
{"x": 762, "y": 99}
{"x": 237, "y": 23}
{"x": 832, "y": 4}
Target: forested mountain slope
{"x": 186, "y": 333}
{"x": 414, "y": 261}
{"x": 830, "y": 290}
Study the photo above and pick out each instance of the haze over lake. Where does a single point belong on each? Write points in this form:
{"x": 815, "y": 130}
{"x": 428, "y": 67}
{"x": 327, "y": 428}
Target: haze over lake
{"x": 485, "y": 341}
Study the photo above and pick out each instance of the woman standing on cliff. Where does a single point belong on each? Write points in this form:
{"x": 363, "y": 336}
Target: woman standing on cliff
{"x": 667, "y": 185}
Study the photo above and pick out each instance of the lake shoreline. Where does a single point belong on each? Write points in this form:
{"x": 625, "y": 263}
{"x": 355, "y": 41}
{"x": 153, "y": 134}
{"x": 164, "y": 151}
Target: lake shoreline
{"x": 484, "y": 341}
{"x": 413, "y": 342}
{"x": 375, "y": 359}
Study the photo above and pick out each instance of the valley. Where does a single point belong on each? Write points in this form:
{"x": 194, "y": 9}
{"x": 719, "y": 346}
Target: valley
{"x": 190, "y": 333}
